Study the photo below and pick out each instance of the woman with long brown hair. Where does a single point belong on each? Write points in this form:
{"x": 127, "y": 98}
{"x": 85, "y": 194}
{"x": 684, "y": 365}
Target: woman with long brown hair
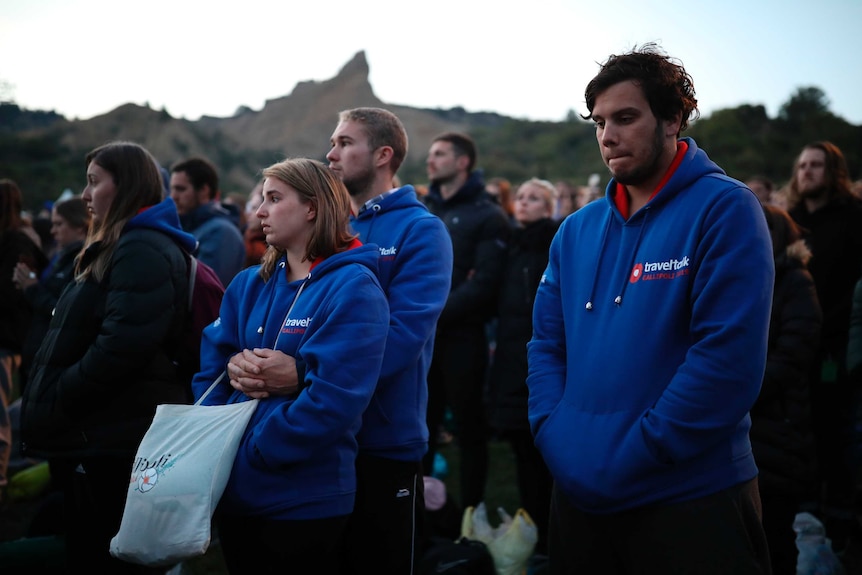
{"x": 107, "y": 359}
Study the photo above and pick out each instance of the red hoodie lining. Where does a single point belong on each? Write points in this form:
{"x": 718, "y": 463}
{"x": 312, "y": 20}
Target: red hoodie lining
{"x": 621, "y": 197}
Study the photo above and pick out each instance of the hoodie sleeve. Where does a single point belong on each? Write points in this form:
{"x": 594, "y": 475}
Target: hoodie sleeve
{"x": 343, "y": 357}
{"x": 546, "y": 351}
{"x": 417, "y": 292}
{"x": 720, "y": 378}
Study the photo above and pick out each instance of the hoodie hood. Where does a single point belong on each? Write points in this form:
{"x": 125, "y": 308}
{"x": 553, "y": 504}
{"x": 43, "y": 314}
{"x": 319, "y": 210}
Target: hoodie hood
{"x": 404, "y": 198}
{"x": 163, "y": 217}
{"x": 357, "y": 253}
{"x": 695, "y": 164}
{"x": 205, "y": 212}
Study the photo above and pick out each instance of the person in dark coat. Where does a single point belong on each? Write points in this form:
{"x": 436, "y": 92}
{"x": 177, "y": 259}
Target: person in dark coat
{"x": 107, "y": 359}
{"x": 479, "y": 229}
{"x": 781, "y": 435}
{"x": 70, "y": 222}
{"x": 526, "y": 260}
{"x": 16, "y": 246}
{"x": 821, "y": 202}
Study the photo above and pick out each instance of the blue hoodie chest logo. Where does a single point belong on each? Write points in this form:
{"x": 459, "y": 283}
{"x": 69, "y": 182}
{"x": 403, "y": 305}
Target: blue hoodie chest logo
{"x": 295, "y": 326}
{"x": 666, "y": 270}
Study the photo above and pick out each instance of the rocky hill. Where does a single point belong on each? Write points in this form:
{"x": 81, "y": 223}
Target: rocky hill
{"x": 298, "y": 124}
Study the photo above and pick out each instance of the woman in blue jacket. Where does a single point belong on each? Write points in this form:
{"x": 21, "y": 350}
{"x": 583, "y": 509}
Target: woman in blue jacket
{"x": 315, "y": 297}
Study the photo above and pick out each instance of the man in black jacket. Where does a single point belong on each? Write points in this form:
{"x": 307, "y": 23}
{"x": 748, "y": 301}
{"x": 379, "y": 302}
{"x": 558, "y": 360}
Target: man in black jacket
{"x": 479, "y": 229}
{"x": 823, "y": 204}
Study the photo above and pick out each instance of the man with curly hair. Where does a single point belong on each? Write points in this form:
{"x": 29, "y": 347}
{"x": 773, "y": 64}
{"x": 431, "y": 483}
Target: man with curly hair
{"x": 649, "y": 345}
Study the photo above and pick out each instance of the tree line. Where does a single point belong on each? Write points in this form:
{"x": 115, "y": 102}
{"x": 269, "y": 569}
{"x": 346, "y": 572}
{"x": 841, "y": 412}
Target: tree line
{"x": 744, "y": 140}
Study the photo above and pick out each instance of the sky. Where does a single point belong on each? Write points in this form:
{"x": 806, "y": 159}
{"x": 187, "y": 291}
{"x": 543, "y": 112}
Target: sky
{"x": 528, "y": 60}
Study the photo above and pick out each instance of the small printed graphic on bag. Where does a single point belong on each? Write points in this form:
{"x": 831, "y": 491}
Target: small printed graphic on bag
{"x": 145, "y": 473}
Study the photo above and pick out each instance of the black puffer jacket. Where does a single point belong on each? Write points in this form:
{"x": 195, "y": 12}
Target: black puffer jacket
{"x": 479, "y": 229}
{"x": 780, "y": 418}
{"x": 525, "y": 263}
{"x": 42, "y": 297}
{"x": 105, "y": 362}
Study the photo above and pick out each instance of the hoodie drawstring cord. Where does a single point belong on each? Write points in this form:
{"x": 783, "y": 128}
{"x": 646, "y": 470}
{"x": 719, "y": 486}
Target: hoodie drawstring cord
{"x": 619, "y": 299}
{"x": 589, "y": 305}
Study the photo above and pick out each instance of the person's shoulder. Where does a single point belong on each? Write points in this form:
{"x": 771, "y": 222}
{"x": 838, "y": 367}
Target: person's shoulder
{"x": 147, "y": 243}
{"x": 217, "y": 227}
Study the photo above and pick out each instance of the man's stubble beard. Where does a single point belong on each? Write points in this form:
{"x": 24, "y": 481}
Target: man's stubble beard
{"x": 359, "y": 184}
{"x": 817, "y": 193}
{"x": 645, "y": 172}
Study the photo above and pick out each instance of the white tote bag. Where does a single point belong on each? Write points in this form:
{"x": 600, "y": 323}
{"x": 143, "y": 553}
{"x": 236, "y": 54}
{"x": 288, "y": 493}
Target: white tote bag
{"x": 180, "y": 471}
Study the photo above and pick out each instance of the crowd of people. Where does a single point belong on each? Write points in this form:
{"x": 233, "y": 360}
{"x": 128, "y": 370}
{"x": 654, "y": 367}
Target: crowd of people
{"x": 673, "y": 360}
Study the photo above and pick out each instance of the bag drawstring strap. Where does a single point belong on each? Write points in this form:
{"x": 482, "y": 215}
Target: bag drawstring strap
{"x": 221, "y": 377}
{"x": 211, "y": 387}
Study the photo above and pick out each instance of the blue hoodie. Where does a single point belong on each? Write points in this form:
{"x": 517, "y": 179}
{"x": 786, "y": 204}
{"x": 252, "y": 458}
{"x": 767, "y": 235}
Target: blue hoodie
{"x": 217, "y": 229}
{"x": 415, "y": 272}
{"x": 296, "y": 458}
{"x": 649, "y": 343}
{"x": 163, "y": 217}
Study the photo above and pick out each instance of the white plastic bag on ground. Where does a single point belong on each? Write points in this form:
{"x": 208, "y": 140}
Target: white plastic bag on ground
{"x": 815, "y": 549}
{"x": 511, "y": 543}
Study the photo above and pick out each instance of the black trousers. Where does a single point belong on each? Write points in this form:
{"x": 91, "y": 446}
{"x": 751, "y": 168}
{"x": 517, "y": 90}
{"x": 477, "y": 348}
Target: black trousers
{"x": 385, "y": 532}
{"x": 534, "y": 482}
{"x": 456, "y": 379}
{"x": 94, "y": 496}
{"x": 720, "y": 534}
{"x": 264, "y": 546}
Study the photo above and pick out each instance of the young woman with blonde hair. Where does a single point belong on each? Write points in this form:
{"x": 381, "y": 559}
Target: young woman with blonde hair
{"x": 315, "y": 297}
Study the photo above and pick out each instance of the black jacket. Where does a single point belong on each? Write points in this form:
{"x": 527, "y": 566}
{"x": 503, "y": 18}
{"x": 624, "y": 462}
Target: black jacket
{"x": 42, "y": 297}
{"x": 780, "y": 418}
{"x": 479, "y": 229}
{"x": 15, "y": 313}
{"x": 105, "y": 362}
{"x": 835, "y": 239}
{"x": 526, "y": 261}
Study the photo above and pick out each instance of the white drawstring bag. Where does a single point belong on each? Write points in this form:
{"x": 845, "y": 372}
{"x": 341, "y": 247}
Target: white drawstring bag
{"x": 180, "y": 471}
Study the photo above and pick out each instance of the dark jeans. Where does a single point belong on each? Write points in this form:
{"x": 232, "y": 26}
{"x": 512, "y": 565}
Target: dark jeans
{"x": 720, "y": 534}
{"x": 456, "y": 379}
{"x": 264, "y": 546}
{"x": 385, "y": 532}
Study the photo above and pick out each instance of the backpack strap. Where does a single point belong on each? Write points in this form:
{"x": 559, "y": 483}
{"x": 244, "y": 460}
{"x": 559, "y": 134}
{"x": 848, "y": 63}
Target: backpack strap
{"x": 193, "y": 269}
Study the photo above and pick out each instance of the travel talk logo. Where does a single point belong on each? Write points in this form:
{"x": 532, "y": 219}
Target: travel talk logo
{"x": 666, "y": 270}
